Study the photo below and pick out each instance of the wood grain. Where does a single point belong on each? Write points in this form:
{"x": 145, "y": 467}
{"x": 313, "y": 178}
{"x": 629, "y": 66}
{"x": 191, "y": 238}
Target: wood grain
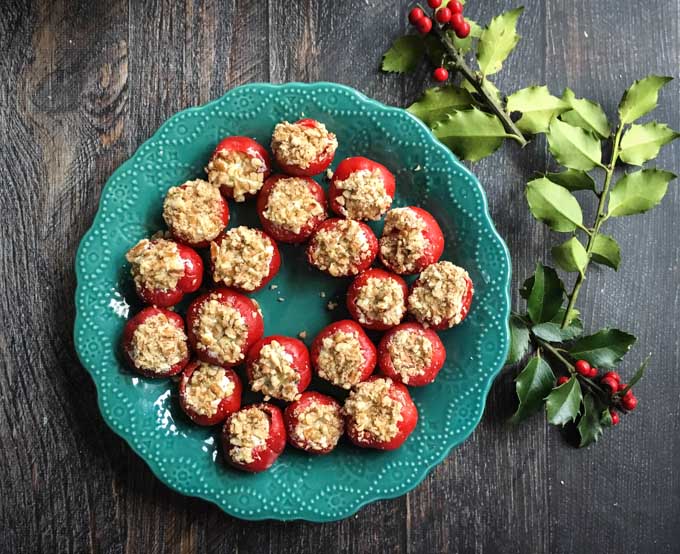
{"x": 82, "y": 84}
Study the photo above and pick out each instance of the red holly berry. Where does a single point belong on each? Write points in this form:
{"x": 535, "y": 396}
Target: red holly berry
{"x": 629, "y": 401}
{"x": 463, "y": 30}
{"x": 424, "y": 25}
{"x": 440, "y": 74}
{"x": 443, "y": 15}
{"x": 562, "y": 380}
{"x": 622, "y": 386}
{"x": 582, "y": 367}
{"x": 613, "y": 375}
{"x": 434, "y": 4}
{"x": 457, "y": 20}
{"x": 415, "y": 15}
{"x": 593, "y": 372}
{"x": 615, "y": 417}
{"x": 455, "y": 6}
{"x": 609, "y": 383}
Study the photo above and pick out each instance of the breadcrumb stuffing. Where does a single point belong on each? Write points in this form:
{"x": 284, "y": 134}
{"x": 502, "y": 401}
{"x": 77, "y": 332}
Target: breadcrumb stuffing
{"x": 239, "y": 171}
{"x": 242, "y": 258}
{"x": 299, "y": 145}
{"x": 341, "y": 359}
{"x": 340, "y": 248}
{"x": 332, "y": 305}
{"x": 410, "y": 353}
{"x": 156, "y": 265}
{"x": 273, "y": 374}
{"x": 248, "y": 431}
{"x": 363, "y": 195}
{"x": 403, "y": 243}
{"x": 194, "y": 211}
{"x": 291, "y": 204}
{"x": 302, "y": 334}
{"x": 158, "y": 344}
{"x": 221, "y": 331}
{"x": 380, "y": 300}
{"x": 438, "y": 296}
{"x": 319, "y": 425}
{"x": 207, "y": 387}
{"x": 375, "y": 414}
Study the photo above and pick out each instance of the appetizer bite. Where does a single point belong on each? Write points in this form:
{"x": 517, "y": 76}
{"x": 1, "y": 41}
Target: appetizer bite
{"x": 238, "y": 166}
{"x": 209, "y": 393}
{"x": 222, "y": 325}
{"x": 377, "y": 299}
{"x": 314, "y": 423}
{"x": 154, "y": 343}
{"x": 380, "y": 414}
{"x": 254, "y": 437}
{"x": 411, "y": 240}
{"x": 441, "y": 296}
{"x": 195, "y": 213}
{"x": 343, "y": 354}
{"x": 244, "y": 259}
{"x": 278, "y": 367}
{"x": 291, "y": 208}
{"x": 164, "y": 271}
{"x": 411, "y": 354}
{"x": 342, "y": 247}
{"x": 303, "y": 148}
{"x": 361, "y": 189}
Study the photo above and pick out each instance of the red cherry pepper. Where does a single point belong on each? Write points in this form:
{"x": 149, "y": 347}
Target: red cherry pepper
{"x": 243, "y": 145}
{"x": 228, "y": 404}
{"x": 361, "y": 281}
{"x": 291, "y": 419}
{"x": 320, "y": 164}
{"x": 464, "y": 310}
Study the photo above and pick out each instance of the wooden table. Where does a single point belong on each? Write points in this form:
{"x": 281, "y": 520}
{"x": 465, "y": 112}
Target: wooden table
{"x": 83, "y": 84}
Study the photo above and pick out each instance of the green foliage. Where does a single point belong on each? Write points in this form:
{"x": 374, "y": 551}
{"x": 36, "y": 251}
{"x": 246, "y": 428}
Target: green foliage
{"x": 573, "y": 147}
{"x": 533, "y": 384}
{"x": 590, "y": 424}
{"x": 404, "y": 54}
{"x": 641, "y": 98}
{"x": 471, "y": 134}
{"x": 571, "y": 256}
{"x": 537, "y": 107}
{"x": 585, "y": 114}
{"x": 638, "y": 192}
{"x": 606, "y": 251}
{"x": 564, "y": 402}
{"x": 519, "y": 339}
{"x": 552, "y": 331}
{"x": 572, "y": 179}
{"x": 553, "y": 205}
{"x": 546, "y": 296}
{"x": 604, "y": 349}
{"x": 642, "y": 143}
{"x": 437, "y": 102}
{"x": 465, "y": 44}
{"x": 497, "y": 41}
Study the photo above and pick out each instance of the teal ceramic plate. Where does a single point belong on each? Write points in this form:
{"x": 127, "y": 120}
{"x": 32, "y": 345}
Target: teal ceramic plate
{"x": 146, "y": 413}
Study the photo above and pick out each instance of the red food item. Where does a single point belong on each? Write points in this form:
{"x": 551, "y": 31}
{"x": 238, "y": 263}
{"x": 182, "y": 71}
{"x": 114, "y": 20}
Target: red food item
{"x": 222, "y": 325}
{"x": 291, "y": 208}
{"x": 239, "y": 151}
{"x": 288, "y": 159}
{"x": 349, "y": 365}
{"x": 154, "y": 343}
{"x": 411, "y": 240}
{"x": 377, "y": 299}
{"x": 342, "y": 247}
{"x": 374, "y": 422}
{"x": 254, "y": 437}
{"x": 314, "y": 423}
{"x": 411, "y": 354}
{"x": 279, "y": 367}
{"x": 202, "y": 385}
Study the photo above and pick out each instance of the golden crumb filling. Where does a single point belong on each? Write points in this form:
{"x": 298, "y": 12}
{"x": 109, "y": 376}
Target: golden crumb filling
{"x": 273, "y": 373}
{"x": 318, "y": 425}
{"x": 207, "y": 387}
{"x": 194, "y": 211}
{"x": 291, "y": 204}
{"x": 242, "y": 258}
{"x": 363, "y": 195}
{"x": 299, "y": 145}
{"x": 403, "y": 243}
{"x": 341, "y": 359}
{"x": 373, "y": 411}
{"x": 410, "y": 353}
{"x": 438, "y": 297}
{"x": 156, "y": 265}
{"x": 380, "y": 300}
{"x": 340, "y": 248}
{"x": 238, "y": 171}
{"x": 221, "y": 331}
{"x": 248, "y": 431}
{"x": 158, "y": 344}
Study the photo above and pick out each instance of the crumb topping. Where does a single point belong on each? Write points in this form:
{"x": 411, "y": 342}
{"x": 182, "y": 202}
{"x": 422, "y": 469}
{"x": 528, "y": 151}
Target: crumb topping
{"x": 340, "y": 248}
{"x": 373, "y": 411}
{"x": 207, "y": 387}
{"x": 156, "y": 265}
{"x": 318, "y": 425}
{"x": 273, "y": 373}
{"x": 158, "y": 344}
{"x": 410, "y": 352}
{"x": 438, "y": 297}
{"x": 239, "y": 171}
{"x": 291, "y": 204}
{"x": 403, "y": 243}
{"x": 380, "y": 300}
{"x": 248, "y": 431}
{"x": 242, "y": 258}
{"x": 363, "y": 195}
{"x": 221, "y": 330}
{"x": 300, "y": 145}
{"x": 194, "y": 211}
{"x": 341, "y": 359}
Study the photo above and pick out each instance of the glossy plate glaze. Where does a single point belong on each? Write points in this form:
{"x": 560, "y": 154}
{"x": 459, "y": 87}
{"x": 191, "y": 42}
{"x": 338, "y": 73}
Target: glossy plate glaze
{"x": 146, "y": 413}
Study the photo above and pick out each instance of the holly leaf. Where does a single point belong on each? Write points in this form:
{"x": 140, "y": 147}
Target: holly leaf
{"x": 604, "y": 349}
{"x": 465, "y": 44}
{"x": 547, "y": 294}
{"x": 490, "y": 88}
{"x": 606, "y": 418}
{"x": 404, "y": 54}
{"x": 573, "y": 147}
{"x": 553, "y": 205}
{"x": 571, "y": 255}
{"x": 586, "y": 114}
{"x": 533, "y": 384}
{"x": 537, "y": 107}
{"x": 519, "y": 339}
{"x": 573, "y": 179}
{"x": 643, "y": 142}
{"x": 437, "y": 102}
{"x": 606, "y": 251}
{"x": 470, "y": 134}
{"x": 525, "y": 289}
{"x": 638, "y": 375}
{"x": 589, "y": 426}
{"x": 563, "y": 402}
{"x": 552, "y": 331}
{"x": 497, "y": 41}
{"x": 638, "y": 192}
{"x": 641, "y": 98}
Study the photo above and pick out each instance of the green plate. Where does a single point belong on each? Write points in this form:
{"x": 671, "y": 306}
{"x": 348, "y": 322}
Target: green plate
{"x": 146, "y": 413}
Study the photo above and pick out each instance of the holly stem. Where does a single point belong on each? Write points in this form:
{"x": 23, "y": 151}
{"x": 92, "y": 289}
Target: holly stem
{"x": 554, "y": 351}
